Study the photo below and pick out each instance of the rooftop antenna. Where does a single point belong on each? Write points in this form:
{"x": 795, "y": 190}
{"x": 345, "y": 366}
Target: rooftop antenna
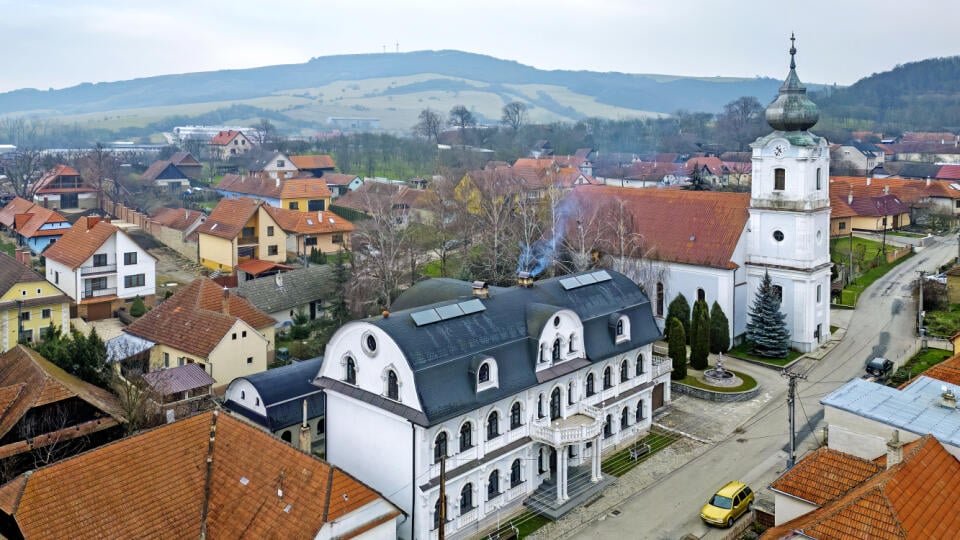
{"x": 398, "y": 46}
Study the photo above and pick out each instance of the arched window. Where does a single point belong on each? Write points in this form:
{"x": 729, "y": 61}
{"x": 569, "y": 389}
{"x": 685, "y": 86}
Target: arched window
{"x": 515, "y": 416}
{"x": 515, "y": 478}
{"x": 639, "y": 365}
{"x": 624, "y": 418}
{"x": 287, "y": 436}
{"x": 570, "y": 393}
{"x": 573, "y": 339}
{"x": 540, "y": 406}
{"x": 590, "y": 385}
{"x": 555, "y": 404}
{"x": 607, "y": 427}
{"x": 436, "y": 514}
{"x": 779, "y": 179}
{"x": 659, "y": 299}
{"x": 607, "y": 378}
{"x": 493, "y": 484}
{"x": 639, "y": 410}
{"x": 484, "y": 374}
{"x": 818, "y": 178}
{"x": 556, "y": 350}
{"x": 440, "y": 447}
{"x": 701, "y": 296}
{"x": 466, "y": 499}
{"x": 466, "y": 437}
{"x": 351, "y": 371}
{"x": 620, "y": 327}
{"x": 624, "y": 371}
{"x": 493, "y": 426}
{"x": 393, "y": 385}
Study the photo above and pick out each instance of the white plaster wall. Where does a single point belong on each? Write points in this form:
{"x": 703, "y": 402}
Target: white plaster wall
{"x": 717, "y": 285}
{"x": 250, "y": 395}
{"x": 798, "y": 302}
{"x": 860, "y": 436}
{"x": 67, "y": 281}
{"x": 368, "y": 513}
{"x": 146, "y": 265}
{"x": 801, "y": 165}
{"x": 787, "y": 508}
{"x": 562, "y": 325}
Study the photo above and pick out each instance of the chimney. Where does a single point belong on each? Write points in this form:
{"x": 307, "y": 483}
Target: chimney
{"x": 524, "y": 279}
{"x": 91, "y": 221}
{"x": 928, "y": 181}
{"x": 947, "y": 398}
{"x": 305, "y": 432}
{"x": 226, "y": 301}
{"x": 886, "y": 189}
{"x": 894, "y": 450}
{"x": 26, "y": 258}
{"x": 480, "y": 289}
{"x": 868, "y": 180}
{"x": 850, "y": 196}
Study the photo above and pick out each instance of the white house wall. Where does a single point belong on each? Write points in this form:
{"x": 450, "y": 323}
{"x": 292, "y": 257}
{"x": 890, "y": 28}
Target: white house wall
{"x": 246, "y": 395}
{"x": 787, "y": 508}
{"x": 63, "y": 277}
{"x": 146, "y": 265}
{"x": 359, "y": 518}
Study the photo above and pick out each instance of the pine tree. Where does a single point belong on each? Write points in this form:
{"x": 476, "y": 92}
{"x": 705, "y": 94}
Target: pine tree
{"x": 719, "y": 330}
{"x": 137, "y": 308}
{"x": 679, "y": 308}
{"x": 767, "y": 329}
{"x": 699, "y": 335}
{"x": 677, "y": 348}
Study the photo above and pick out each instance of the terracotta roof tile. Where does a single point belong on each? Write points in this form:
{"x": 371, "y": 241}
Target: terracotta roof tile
{"x": 258, "y": 266}
{"x": 316, "y": 161}
{"x": 193, "y": 319}
{"x": 229, "y": 216}
{"x": 154, "y": 483}
{"x": 949, "y": 172}
{"x": 692, "y": 227}
{"x": 338, "y": 179}
{"x": 947, "y": 371}
{"x": 825, "y": 475}
{"x": 224, "y": 137}
{"x": 297, "y": 188}
{"x": 12, "y": 209}
{"x": 293, "y": 221}
{"x": 27, "y": 218}
{"x": 176, "y": 218}
{"x": 43, "y": 184}
{"x": 79, "y": 242}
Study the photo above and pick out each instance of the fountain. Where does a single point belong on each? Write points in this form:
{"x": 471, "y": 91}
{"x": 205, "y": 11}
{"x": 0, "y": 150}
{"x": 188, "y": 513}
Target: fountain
{"x": 719, "y": 376}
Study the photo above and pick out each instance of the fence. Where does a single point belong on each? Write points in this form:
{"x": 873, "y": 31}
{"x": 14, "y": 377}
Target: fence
{"x": 172, "y": 238}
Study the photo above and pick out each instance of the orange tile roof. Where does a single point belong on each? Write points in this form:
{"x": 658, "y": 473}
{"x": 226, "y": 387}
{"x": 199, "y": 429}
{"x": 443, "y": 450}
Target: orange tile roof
{"x": 338, "y": 179}
{"x": 79, "y": 242}
{"x": 949, "y": 172}
{"x": 309, "y": 188}
{"x": 260, "y": 185}
{"x": 194, "y": 320}
{"x": 27, "y": 218}
{"x": 315, "y": 161}
{"x": 913, "y": 499}
{"x": 825, "y": 475}
{"x": 370, "y": 196}
{"x": 257, "y": 266}
{"x": 293, "y": 221}
{"x": 43, "y": 183}
{"x": 839, "y": 207}
{"x": 713, "y": 164}
{"x": 947, "y": 371}
{"x": 229, "y": 217}
{"x": 692, "y": 227}
{"x": 176, "y": 218}
{"x": 224, "y": 137}
{"x": 12, "y": 209}
{"x": 154, "y": 483}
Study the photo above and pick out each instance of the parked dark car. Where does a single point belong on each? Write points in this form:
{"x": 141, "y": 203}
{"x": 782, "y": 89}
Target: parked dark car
{"x": 879, "y": 368}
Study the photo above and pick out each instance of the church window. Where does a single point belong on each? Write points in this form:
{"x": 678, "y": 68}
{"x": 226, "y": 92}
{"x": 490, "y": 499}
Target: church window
{"x": 440, "y": 447}
{"x": 701, "y": 296}
{"x": 393, "y": 386}
{"x": 778, "y": 292}
{"x": 659, "y": 299}
{"x": 779, "y": 179}
{"x": 778, "y": 236}
{"x": 818, "y": 180}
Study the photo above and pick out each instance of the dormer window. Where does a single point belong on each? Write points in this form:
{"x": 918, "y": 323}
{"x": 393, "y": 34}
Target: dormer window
{"x": 351, "y": 367}
{"x": 556, "y": 350}
{"x": 393, "y": 385}
{"x": 487, "y": 375}
{"x": 620, "y": 325}
{"x": 620, "y": 328}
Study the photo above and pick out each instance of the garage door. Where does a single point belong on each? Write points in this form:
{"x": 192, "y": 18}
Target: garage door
{"x": 96, "y": 312}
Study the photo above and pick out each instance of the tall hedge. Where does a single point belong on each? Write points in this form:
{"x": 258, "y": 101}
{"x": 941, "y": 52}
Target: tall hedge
{"x": 679, "y": 308}
{"x": 700, "y": 335}
{"x": 677, "y": 348}
{"x": 719, "y": 330}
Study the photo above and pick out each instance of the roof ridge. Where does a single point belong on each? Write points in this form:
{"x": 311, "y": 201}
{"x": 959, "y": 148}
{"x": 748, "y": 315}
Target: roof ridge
{"x": 326, "y": 503}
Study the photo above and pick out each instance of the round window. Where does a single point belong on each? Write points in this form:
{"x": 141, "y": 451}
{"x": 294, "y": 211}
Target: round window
{"x": 778, "y": 236}
{"x": 371, "y": 343}
{"x": 556, "y": 321}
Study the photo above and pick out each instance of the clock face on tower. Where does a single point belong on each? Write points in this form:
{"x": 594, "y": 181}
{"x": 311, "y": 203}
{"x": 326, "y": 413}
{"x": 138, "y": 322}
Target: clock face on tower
{"x": 778, "y": 150}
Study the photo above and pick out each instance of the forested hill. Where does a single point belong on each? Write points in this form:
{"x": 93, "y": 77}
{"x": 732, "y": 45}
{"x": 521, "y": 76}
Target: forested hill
{"x": 921, "y": 95}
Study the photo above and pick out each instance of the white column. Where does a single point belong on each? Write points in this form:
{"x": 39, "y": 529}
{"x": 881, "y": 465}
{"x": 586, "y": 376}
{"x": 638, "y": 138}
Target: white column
{"x": 559, "y": 476}
{"x": 596, "y": 460}
{"x": 565, "y": 472}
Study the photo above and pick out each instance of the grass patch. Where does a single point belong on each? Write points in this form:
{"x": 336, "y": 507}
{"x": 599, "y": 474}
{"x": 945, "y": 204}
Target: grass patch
{"x": 839, "y": 254}
{"x": 833, "y": 329}
{"x": 905, "y": 234}
{"x": 749, "y": 383}
{"x": 528, "y": 522}
{"x": 454, "y": 264}
{"x": 918, "y": 364}
{"x": 8, "y": 248}
{"x": 742, "y": 351}
{"x": 621, "y": 462}
{"x": 943, "y": 322}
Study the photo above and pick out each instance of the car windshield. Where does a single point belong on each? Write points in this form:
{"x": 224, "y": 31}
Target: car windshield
{"x": 721, "y": 502}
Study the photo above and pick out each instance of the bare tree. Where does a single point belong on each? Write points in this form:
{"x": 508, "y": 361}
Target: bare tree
{"x": 23, "y": 171}
{"x": 493, "y": 205}
{"x": 49, "y": 437}
{"x": 630, "y": 253}
{"x": 101, "y": 169}
{"x": 461, "y": 118}
{"x": 138, "y": 402}
{"x": 741, "y": 121}
{"x": 429, "y": 125}
{"x": 264, "y": 132}
{"x": 387, "y": 243}
{"x": 514, "y": 116}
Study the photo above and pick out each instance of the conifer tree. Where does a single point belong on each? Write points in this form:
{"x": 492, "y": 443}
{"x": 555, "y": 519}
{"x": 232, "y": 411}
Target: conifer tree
{"x": 719, "y": 330}
{"x": 767, "y": 329}
{"x": 677, "y": 348}
{"x": 699, "y": 335}
{"x": 679, "y": 308}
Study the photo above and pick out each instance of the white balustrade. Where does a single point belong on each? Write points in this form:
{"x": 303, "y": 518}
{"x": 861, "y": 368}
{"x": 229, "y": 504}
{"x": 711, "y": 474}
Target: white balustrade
{"x": 467, "y": 519}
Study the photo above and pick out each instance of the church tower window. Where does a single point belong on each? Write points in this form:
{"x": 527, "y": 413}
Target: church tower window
{"x": 779, "y": 179}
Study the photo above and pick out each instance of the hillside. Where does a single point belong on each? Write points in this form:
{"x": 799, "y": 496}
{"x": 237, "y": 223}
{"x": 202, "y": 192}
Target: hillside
{"x": 393, "y": 87}
{"x": 922, "y": 95}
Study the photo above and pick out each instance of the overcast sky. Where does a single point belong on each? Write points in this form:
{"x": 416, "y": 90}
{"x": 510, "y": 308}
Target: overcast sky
{"x": 60, "y": 43}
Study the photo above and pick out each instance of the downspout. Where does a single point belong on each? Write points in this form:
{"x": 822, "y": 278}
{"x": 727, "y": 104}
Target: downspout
{"x": 413, "y": 481}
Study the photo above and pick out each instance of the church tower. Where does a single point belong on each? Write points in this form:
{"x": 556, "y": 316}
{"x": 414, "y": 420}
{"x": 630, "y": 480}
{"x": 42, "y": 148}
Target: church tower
{"x": 789, "y": 228}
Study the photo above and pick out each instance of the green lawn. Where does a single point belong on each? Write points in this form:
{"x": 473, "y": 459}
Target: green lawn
{"x": 743, "y": 351}
{"x": 943, "y": 323}
{"x": 9, "y": 248}
{"x": 839, "y": 253}
{"x": 748, "y": 383}
{"x": 919, "y": 363}
{"x": 905, "y": 234}
{"x": 454, "y": 264}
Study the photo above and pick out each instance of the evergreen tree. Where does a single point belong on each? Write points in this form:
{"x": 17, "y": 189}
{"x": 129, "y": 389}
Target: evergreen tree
{"x": 719, "y": 330}
{"x": 699, "y": 335}
{"x": 339, "y": 311}
{"x": 767, "y": 329}
{"x": 137, "y": 308}
{"x": 680, "y": 309}
{"x": 677, "y": 348}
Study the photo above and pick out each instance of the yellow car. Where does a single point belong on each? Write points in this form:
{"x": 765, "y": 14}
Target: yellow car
{"x": 727, "y": 504}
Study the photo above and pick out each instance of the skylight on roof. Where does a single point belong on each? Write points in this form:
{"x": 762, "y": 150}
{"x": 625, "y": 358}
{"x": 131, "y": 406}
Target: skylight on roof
{"x": 309, "y": 222}
{"x": 575, "y": 282}
{"x": 451, "y": 311}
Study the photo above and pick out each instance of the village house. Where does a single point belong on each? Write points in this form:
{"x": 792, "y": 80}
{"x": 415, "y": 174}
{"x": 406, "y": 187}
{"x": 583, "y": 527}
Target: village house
{"x": 101, "y": 268}
{"x": 229, "y": 143}
{"x": 29, "y": 304}
{"x": 306, "y": 290}
{"x": 339, "y": 184}
{"x": 304, "y": 194}
{"x": 62, "y": 188}
{"x": 204, "y": 323}
{"x": 315, "y": 164}
{"x": 176, "y": 228}
{"x": 325, "y": 232}
{"x": 856, "y": 158}
{"x": 403, "y": 203}
{"x": 180, "y": 391}
{"x": 166, "y": 177}
{"x": 33, "y": 226}
{"x": 239, "y": 231}
{"x": 187, "y": 164}
{"x": 207, "y": 476}
{"x": 556, "y": 372}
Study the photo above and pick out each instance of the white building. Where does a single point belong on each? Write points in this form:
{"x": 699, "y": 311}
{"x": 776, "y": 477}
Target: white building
{"x": 100, "y": 268}
{"x": 517, "y": 389}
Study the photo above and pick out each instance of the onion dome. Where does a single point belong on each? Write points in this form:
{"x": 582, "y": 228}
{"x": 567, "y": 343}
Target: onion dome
{"x": 792, "y": 110}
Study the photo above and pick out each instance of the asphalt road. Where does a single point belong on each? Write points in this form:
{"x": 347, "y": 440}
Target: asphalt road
{"x": 882, "y": 325}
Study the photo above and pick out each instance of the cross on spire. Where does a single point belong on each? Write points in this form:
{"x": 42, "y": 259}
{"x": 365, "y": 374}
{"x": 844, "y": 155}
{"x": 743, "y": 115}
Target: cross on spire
{"x": 793, "y": 51}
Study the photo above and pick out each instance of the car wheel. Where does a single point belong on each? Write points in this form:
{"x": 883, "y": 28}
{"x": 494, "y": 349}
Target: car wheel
{"x": 729, "y": 522}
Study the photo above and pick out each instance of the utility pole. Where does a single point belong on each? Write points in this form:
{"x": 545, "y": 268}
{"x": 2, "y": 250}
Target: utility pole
{"x": 792, "y": 377}
{"x": 850, "y": 275}
{"x": 441, "y": 534}
{"x": 920, "y": 304}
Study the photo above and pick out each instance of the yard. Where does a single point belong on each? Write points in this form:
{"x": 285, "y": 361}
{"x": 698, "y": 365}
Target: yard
{"x": 742, "y": 351}
{"x": 943, "y": 322}
{"x": 866, "y": 260}
{"x": 918, "y": 364}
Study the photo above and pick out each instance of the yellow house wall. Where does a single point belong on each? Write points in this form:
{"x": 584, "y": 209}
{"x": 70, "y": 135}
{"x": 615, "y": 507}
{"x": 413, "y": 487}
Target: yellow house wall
{"x": 59, "y": 312}
{"x": 261, "y": 220}
{"x": 324, "y": 243}
{"x": 228, "y": 360}
{"x": 876, "y": 223}
{"x": 304, "y": 203}
{"x": 217, "y": 253}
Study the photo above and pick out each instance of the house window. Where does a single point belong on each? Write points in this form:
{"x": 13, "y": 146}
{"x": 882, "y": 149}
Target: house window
{"x": 570, "y": 393}
{"x": 351, "y": 371}
{"x": 556, "y": 350}
{"x": 98, "y": 284}
{"x": 639, "y": 365}
{"x": 843, "y": 224}
{"x": 555, "y": 404}
{"x": 56, "y": 275}
{"x": 129, "y": 258}
{"x": 100, "y": 259}
{"x": 243, "y": 334}
{"x": 249, "y": 360}
{"x": 484, "y": 375}
{"x": 779, "y": 179}
{"x": 45, "y": 313}
{"x": 287, "y": 436}
{"x": 136, "y": 280}
{"x": 607, "y": 378}
{"x": 659, "y": 299}
{"x": 234, "y": 335}
{"x": 269, "y": 230}
{"x": 540, "y": 406}
{"x": 515, "y": 416}
{"x": 436, "y": 515}
{"x": 466, "y": 437}
{"x": 440, "y": 447}
{"x": 515, "y": 478}
{"x": 336, "y": 238}
{"x": 493, "y": 426}
{"x": 248, "y": 232}
{"x": 393, "y": 386}
{"x": 293, "y": 206}
{"x": 818, "y": 293}
{"x": 24, "y": 315}
{"x": 607, "y": 427}
{"x": 272, "y": 250}
{"x": 493, "y": 485}
{"x": 624, "y": 371}
{"x": 466, "y": 499}
{"x": 624, "y": 418}
{"x": 166, "y": 359}
{"x": 281, "y": 163}
{"x": 27, "y": 336}
{"x": 640, "y": 410}
{"x": 818, "y": 179}
{"x": 310, "y": 241}
{"x": 590, "y": 385}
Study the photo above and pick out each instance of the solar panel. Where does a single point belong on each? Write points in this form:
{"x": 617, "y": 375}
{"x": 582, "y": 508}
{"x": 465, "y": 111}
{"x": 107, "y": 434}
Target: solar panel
{"x": 449, "y": 312}
{"x": 421, "y": 318}
{"x": 569, "y": 283}
{"x": 586, "y": 279}
{"x": 601, "y": 275}
{"x": 472, "y": 306}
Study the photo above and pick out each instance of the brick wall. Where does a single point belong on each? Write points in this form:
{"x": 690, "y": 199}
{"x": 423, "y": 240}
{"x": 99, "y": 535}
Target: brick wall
{"x": 171, "y": 238}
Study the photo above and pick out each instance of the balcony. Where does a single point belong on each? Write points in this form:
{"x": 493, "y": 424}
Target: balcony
{"x": 661, "y": 365}
{"x": 585, "y": 424}
{"x": 248, "y": 241}
{"x": 96, "y": 293}
{"x": 102, "y": 269}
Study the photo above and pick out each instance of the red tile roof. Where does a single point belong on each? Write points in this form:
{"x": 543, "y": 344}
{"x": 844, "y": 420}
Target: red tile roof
{"x": 949, "y": 172}
{"x": 194, "y": 319}
{"x": 27, "y": 218}
{"x": 316, "y": 161}
{"x": 14, "y": 207}
{"x": 256, "y": 266}
{"x": 927, "y": 136}
{"x": 825, "y": 475}
{"x": 293, "y": 221}
{"x": 370, "y": 197}
{"x": 713, "y": 165}
{"x": 338, "y": 179}
{"x": 229, "y": 217}
{"x": 304, "y": 188}
{"x": 692, "y": 227}
{"x": 79, "y": 242}
{"x": 913, "y": 499}
{"x": 273, "y": 188}
{"x": 179, "y": 219}
{"x": 60, "y": 170}
{"x": 157, "y": 484}
{"x": 224, "y": 137}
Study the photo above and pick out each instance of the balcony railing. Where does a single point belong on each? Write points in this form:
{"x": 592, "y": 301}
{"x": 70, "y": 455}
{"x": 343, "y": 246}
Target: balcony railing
{"x": 248, "y": 240}
{"x": 661, "y": 365}
{"x": 95, "y": 293}
{"x": 102, "y": 269}
{"x": 571, "y": 429}
{"x": 467, "y": 518}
